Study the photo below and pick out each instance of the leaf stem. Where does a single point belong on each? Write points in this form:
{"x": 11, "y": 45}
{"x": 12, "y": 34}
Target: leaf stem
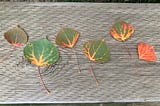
{"x": 76, "y": 57}
{"x": 7, "y": 56}
{"x": 137, "y": 65}
{"x": 93, "y": 74}
{"x": 127, "y": 49}
{"x": 41, "y": 79}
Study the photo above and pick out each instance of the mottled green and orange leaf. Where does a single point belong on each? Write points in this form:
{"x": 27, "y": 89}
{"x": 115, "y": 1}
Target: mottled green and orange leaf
{"x": 16, "y": 36}
{"x": 38, "y": 62}
{"x": 67, "y": 37}
{"x": 96, "y": 51}
{"x": 121, "y": 30}
{"x": 41, "y": 53}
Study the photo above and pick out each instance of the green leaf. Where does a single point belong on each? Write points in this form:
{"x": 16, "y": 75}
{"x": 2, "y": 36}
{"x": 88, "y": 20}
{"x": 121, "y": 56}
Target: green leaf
{"x": 67, "y": 37}
{"x": 16, "y": 36}
{"x": 41, "y": 53}
{"x": 96, "y": 51}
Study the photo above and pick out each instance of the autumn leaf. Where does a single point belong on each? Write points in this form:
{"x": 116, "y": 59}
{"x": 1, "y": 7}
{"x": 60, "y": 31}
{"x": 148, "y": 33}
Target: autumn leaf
{"x": 146, "y": 52}
{"x": 96, "y": 51}
{"x": 121, "y": 30}
{"x": 41, "y": 53}
{"x": 67, "y": 38}
{"x": 16, "y": 36}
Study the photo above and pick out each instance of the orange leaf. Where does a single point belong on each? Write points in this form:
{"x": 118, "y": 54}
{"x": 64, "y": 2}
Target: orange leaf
{"x": 146, "y": 52}
{"x": 121, "y": 30}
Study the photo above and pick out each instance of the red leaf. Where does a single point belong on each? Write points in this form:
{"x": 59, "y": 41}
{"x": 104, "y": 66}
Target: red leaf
{"x": 146, "y": 52}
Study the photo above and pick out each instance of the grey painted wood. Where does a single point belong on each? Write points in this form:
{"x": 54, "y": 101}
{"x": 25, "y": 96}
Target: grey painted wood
{"x": 118, "y": 81}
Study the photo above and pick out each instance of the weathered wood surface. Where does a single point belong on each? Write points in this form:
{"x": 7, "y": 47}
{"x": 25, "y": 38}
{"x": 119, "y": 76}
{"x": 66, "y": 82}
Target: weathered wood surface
{"x": 118, "y": 81}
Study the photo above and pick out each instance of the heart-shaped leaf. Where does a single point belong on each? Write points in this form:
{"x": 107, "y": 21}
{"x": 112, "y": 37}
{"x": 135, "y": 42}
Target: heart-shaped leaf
{"x": 96, "y": 50}
{"x": 16, "y": 36}
{"x": 67, "y": 37}
{"x": 41, "y": 53}
{"x": 146, "y": 52}
{"x": 121, "y": 30}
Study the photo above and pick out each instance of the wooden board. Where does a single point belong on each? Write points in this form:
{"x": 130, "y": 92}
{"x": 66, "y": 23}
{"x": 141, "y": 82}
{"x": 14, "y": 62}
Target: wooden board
{"x": 118, "y": 81}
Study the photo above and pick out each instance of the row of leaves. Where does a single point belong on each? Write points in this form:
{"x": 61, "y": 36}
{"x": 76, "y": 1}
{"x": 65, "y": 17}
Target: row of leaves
{"x": 43, "y": 53}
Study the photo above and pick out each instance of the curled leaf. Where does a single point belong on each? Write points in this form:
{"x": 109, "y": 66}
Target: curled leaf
{"x": 67, "y": 37}
{"x": 16, "y": 36}
{"x": 41, "y": 53}
{"x": 121, "y": 30}
{"x": 146, "y": 52}
{"x": 96, "y": 50}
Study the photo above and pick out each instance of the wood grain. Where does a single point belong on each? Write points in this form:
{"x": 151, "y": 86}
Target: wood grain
{"x": 118, "y": 80}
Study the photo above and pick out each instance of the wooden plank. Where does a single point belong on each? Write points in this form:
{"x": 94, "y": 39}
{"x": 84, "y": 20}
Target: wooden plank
{"x": 118, "y": 81}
